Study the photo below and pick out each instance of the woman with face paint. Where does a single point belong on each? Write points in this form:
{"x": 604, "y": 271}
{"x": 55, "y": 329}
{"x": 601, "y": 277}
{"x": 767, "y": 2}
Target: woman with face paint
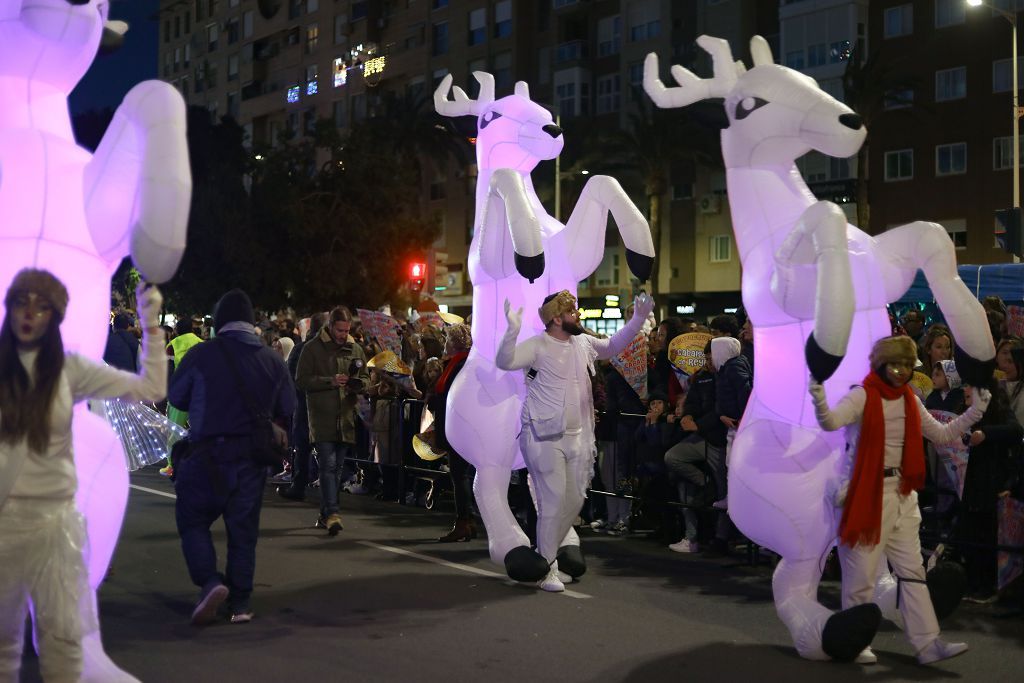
{"x": 885, "y": 422}
{"x": 42, "y": 534}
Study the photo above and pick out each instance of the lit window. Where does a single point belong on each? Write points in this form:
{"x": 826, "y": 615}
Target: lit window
{"x": 720, "y": 249}
{"x": 340, "y": 72}
{"x": 293, "y": 94}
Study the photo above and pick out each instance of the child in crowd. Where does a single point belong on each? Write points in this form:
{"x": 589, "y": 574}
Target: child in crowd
{"x": 947, "y": 393}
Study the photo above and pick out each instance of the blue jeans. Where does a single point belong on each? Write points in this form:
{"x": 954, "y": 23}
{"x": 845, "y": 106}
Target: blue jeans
{"x": 330, "y": 456}
{"x": 217, "y": 482}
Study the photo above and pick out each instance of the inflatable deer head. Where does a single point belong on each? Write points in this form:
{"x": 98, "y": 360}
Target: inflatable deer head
{"x": 776, "y": 114}
{"x": 514, "y": 132}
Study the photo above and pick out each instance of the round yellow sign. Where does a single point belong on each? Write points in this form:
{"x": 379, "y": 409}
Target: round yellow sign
{"x": 686, "y": 351}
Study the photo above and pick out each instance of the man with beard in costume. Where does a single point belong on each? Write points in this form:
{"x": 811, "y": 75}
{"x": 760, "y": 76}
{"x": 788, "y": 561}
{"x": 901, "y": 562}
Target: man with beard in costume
{"x": 557, "y": 438}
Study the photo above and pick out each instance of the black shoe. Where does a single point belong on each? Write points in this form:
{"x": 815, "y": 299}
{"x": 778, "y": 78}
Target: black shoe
{"x": 321, "y": 522}
{"x": 292, "y": 493}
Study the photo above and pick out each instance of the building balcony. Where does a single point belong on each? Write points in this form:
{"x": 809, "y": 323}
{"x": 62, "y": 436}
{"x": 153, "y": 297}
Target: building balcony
{"x": 570, "y": 51}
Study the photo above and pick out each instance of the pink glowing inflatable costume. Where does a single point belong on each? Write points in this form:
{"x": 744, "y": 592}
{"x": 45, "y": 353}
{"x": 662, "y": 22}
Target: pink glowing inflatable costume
{"x": 522, "y": 254}
{"x": 816, "y": 291}
{"x": 78, "y": 215}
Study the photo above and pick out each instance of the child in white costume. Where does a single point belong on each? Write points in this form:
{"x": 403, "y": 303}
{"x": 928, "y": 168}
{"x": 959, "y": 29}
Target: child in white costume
{"x": 885, "y": 422}
{"x": 42, "y": 534}
{"x": 557, "y": 439}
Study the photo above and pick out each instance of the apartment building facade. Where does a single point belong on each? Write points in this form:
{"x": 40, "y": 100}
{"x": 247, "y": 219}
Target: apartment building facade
{"x": 277, "y": 65}
{"x": 943, "y": 151}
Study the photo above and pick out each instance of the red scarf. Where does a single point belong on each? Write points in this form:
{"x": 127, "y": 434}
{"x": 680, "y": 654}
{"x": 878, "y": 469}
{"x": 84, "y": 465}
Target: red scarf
{"x": 862, "y": 514}
{"x": 449, "y": 370}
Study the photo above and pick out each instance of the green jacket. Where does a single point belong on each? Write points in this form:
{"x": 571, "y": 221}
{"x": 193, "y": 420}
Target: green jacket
{"x": 332, "y": 410}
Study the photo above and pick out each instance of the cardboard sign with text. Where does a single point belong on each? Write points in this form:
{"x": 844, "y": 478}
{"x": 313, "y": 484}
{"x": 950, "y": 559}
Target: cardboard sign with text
{"x": 383, "y": 328}
{"x": 686, "y": 352}
{"x": 632, "y": 364}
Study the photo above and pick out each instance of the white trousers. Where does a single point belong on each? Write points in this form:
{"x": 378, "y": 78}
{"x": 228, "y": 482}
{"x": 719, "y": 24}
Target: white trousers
{"x": 901, "y": 543}
{"x": 561, "y": 469}
{"x": 41, "y": 555}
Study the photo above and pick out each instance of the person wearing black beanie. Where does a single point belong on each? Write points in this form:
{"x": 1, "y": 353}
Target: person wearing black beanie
{"x": 234, "y": 306}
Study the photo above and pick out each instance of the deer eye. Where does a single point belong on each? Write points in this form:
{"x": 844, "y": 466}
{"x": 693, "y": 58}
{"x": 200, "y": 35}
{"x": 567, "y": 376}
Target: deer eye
{"x": 748, "y": 105}
{"x": 488, "y": 118}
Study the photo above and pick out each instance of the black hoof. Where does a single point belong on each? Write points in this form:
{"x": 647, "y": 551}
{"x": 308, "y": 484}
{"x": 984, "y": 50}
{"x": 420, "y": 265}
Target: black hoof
{"x": 570, "y": 560}
{"x": 524, "y": 564}
{"x": 848, "y": 632}
{"x": 530, "y": 267}
{"x": 822, "y": 364}
{"x": 639, "y": 265}
{"x": 947, "y": 584}
{"x": 972, "y": 371}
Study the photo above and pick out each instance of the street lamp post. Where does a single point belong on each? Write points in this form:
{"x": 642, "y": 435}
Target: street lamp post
{"x": 1016, "y": 113}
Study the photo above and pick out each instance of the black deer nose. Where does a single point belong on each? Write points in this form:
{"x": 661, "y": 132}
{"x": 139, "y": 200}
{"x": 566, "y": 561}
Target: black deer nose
{"x": 850, "y": 121}
{"x": 552, "y": 130}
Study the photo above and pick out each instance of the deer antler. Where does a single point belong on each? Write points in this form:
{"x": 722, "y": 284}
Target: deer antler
{"x": 691, "y": 88}
{"x": 462, "y": 105}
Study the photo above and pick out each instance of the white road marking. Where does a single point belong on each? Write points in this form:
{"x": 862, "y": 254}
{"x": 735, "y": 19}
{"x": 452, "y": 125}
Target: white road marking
{"x": 410, "y": 553}
{"x": 460, "y": 567}
{"x": 153, "y": 491}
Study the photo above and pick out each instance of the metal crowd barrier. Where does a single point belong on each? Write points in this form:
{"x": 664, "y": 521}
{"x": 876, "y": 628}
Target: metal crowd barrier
{"x": 403, "y": 425}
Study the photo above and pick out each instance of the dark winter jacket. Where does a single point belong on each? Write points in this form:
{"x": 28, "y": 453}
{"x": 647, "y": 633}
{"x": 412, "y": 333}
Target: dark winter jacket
{"x": 953, "y": 403}
{"x": 437, "y": 402}
{"x": 621, "y": 398}
{"x": 122, "y": 351}
{"x": 993, "y": 465}
{"x": 301, "y": 419}
{"x": 733, "y": 384}
{"x": 700, "y": 405}
{"x": 206, "y": 386}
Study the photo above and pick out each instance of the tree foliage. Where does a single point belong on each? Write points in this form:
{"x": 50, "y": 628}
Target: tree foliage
{"x": 311, "y": 223}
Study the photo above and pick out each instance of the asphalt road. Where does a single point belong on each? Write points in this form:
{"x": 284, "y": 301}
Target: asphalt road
{"x": 383, "y": 602}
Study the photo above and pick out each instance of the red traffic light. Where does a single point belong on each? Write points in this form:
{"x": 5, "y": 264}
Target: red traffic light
{"x": 417, "y": 270}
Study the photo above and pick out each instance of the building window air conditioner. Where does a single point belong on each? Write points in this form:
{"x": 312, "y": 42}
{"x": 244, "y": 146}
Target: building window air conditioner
{"x": 710, "y": 203}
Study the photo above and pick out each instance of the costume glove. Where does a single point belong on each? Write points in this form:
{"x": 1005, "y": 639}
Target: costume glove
{"x": 148, "y": 301}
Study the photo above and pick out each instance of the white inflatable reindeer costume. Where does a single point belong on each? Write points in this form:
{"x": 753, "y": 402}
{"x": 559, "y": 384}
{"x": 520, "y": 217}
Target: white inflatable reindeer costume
{"x": 521, "y": 254}
{"x": 78, "y": 215}
{"x": 816, "y": 291}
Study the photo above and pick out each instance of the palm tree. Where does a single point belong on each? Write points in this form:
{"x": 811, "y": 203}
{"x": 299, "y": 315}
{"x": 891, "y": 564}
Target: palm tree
{"x": 646, "y": 150}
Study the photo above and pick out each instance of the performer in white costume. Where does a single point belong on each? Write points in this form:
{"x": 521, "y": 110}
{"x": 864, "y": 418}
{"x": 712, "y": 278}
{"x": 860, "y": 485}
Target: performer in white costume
{"x": 885, "y": 422}
{"x": 42, "y": 534}
{"x": 813, "y": 284}
{"x": 78, "y": 215}
{"x": 557, "y": 437}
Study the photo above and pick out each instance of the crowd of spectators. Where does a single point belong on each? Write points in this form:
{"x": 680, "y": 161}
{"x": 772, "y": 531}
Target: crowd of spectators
{"x": 662, "y": 458}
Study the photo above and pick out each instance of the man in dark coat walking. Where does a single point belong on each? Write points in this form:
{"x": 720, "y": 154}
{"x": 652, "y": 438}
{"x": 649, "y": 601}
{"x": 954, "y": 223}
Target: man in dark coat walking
{"x": 219, "y": 477}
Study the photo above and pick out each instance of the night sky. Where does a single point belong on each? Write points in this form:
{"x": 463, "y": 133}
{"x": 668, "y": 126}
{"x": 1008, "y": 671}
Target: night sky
{"x": 114, "y": 75}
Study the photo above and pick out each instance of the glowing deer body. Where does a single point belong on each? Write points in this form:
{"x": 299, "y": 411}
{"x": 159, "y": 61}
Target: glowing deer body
{"x": 78, "y": 215}
{"x": 522, "y": 254}
{"x": 810, "y": 281}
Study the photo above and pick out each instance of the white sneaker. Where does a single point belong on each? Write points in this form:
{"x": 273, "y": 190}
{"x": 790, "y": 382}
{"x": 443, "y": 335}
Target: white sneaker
{"x": 564, "y": 578}
{"x": 598, "y": 524}
{"x": 684, "y": 546}
{"x": 551, "y": 583}
{"x": 866, "y": 656}
{"x": 357, "y": 490}
{"x": 938, "y": 649}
